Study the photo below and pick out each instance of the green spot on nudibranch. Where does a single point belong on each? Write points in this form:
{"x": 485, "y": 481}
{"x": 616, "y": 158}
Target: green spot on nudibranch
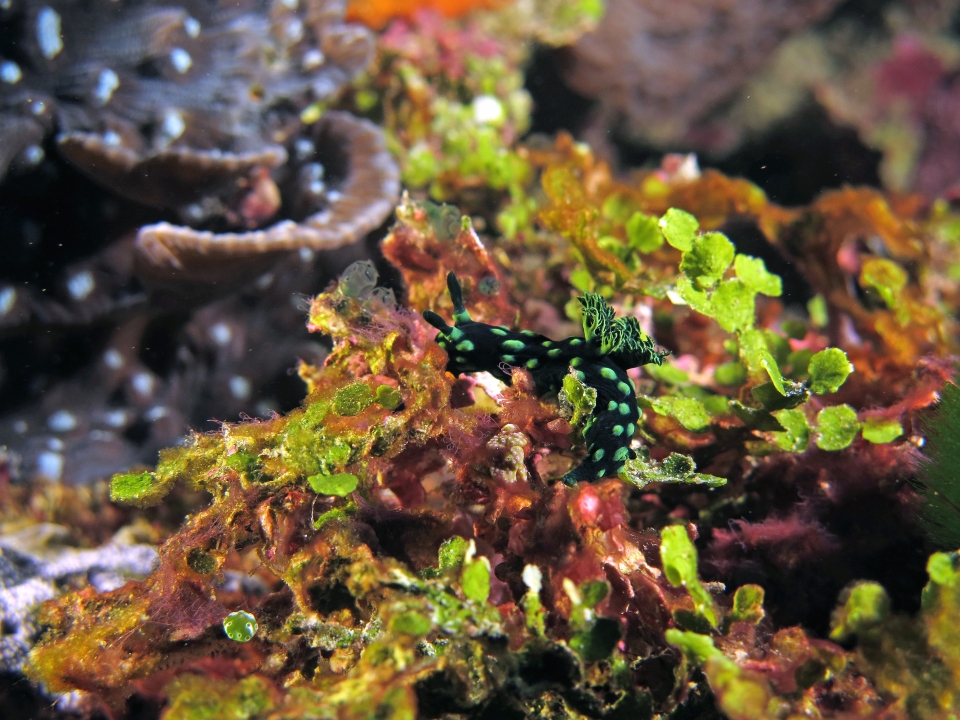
{"x": 608, "y": 373}
{"x": 621, "y": 454}
{"x": 575, "y": 341}
{"x": 498, "y": 331}
{"x": 598, "y": 455}
{"x": 624, "y": 388}
{"x": 460, "y": 359}
{"x": 630, "y": 430}
{"x": 465, "y": 346}
{"x": 514, "y": 344}
{"x": 624, "y": 409}
{"x": 600, "y": 473}
{"x": 533, "y": 363}
{"x": 555, "y": 352}
{"x": 509, "y": 358}
{"x": 456, "y": 334}
{"x": 546, "y": 343}
{"x": 617, "y": 430}
{"x": 581, "y": 376}
{"x": 240, "y": 626}
{"x": 461, "y": 317}
{"x": 576, "y": 362}
{"x": 612, "y": 405}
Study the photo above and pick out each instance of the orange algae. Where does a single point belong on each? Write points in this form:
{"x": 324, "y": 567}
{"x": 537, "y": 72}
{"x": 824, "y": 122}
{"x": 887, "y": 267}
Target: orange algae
{"x": 377, "y": 13}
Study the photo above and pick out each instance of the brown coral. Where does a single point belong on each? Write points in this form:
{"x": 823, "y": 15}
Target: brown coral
{"x": 664, "y": 67}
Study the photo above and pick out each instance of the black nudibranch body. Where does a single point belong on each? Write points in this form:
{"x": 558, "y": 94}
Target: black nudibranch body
{"x": 600, "y": 360}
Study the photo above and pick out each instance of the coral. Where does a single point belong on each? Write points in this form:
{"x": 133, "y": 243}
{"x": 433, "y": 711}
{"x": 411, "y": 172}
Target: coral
{"x": 661, "y": 70}
{"x": 37, "y": 563}
{"x": 211, "y": 116}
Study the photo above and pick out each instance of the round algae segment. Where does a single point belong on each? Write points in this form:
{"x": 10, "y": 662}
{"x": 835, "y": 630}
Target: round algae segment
{"x": 240, "y": 626}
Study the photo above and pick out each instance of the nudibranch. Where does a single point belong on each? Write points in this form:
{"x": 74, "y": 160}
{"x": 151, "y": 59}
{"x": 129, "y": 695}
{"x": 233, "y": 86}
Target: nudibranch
{"x": 600, "y": 360}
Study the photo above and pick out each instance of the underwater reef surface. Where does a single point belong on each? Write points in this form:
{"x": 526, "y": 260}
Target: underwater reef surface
{"x": 505, "y": 519}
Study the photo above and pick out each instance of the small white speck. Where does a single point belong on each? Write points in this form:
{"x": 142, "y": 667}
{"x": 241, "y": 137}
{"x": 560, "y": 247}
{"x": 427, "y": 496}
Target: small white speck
{"x": 81, "y": 285}
{"x": 8, "y": 297}
{"x": 113, "y": 359}
{"x": 115, "y": 418}
{"x": 48, "y": 34}
{"x": 34, "y": 154}
{"x": 20, "y": 427}
{"x": 155, "y": 413}
{"x": 240, "y": 387}
{"x": 220, "y": 333}
{"x": 38, "y": 107}
{"x": 192, "y": 26}
{"x": 264, "y": 281}
{"x": 173, "y": 125}
{"x": 304, "y": 148}
{"x": 10, "y": 72}
{"x": 294, "y": 30}
{"x": 306, "y": 255}
{"x": 111, "y": 138}
{"x": 487, "y": 110}
{"x": 62, "y": 421}
{"x": 107, "y": 82}
{"x": 312, "y": 59}
{"x": 143, "y": 383}
{"x": 532, "y": 578}
{"x": 181, "y": 60}
{"x": 50, "y": 465}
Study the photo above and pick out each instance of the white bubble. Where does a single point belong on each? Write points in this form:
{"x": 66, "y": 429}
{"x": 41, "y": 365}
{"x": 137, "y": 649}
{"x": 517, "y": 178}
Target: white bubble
{"x": 172, "y": 126}
{"x": 294, "y": 30}
{"x": 8, "y": 297}
{"x": 155, "y": 413}
{"x": 20, "y": 427}
{"x": 48, "y": 33}
{"x": 115, "y": 418}
{"x": 81, "y": 285}
{"x": 306, "y": 255}
{"x": 50, "y": 465}
{"x": 312, "y": 59}
{"x": 192, "y": 26}
{"x": 240, "y": 387}
{"x": 111, "y": 138}
{"x": 220, "y": 333}
{"x": 10, "y": 72}
{"x": 181, "y": 60}
{"x": 486, "y": 110}
{"x": 62, "y": 421}
{"x": 532, "y": 577}
{"x": 34, "y": 154}
{"x": 107, "y": 82}
{"x": 143, "y": 383}
{"x": 113, "y": 359}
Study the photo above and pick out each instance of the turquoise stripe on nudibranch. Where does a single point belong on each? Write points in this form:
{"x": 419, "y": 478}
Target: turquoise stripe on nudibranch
{"x": 611, "y": 346}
